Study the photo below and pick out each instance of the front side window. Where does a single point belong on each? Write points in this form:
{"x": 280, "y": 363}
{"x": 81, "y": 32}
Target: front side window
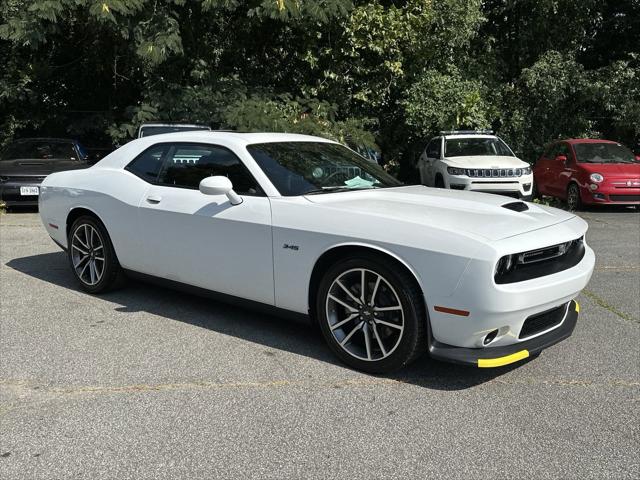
{"x": 475, "y": 146}
{"x": 298, "y": 168}
{"x": 185, "y": 165}
{"x": 563, "y": 149}
{"x": 603, "y": 153}
{"x": 433, "y": 149}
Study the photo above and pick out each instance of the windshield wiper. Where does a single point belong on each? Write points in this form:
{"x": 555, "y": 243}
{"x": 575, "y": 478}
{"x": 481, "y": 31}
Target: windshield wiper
{"x": 336, "y": 188}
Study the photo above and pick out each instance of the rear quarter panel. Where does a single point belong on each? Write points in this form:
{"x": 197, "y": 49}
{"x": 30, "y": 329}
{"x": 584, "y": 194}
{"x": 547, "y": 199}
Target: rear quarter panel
{"x": 112, "y": 195}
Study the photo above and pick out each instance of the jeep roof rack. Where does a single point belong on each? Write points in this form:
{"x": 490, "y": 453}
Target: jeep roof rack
{"x": 466, "y": 132}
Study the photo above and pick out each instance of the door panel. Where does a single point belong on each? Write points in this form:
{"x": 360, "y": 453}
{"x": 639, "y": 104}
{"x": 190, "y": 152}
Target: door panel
{"x": 431, "y": 155}
{"x": 560, "y": 172}
{"x": 205, "y": 241}
{"x": 200, "y": 239}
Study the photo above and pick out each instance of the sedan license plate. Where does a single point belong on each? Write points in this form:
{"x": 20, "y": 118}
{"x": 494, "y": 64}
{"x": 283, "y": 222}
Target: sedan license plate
{"x": 29, "y": 191}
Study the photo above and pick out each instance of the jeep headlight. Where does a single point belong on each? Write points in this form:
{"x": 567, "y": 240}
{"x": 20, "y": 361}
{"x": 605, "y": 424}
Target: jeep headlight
{"x": 455, "y": 171}
{"x": 526, "y": 171}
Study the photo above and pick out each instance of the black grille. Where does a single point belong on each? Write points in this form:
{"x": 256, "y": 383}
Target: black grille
{"x": 494, "y": 172}
{"x": 625, "y": 198}
{"x": 543, "y": 321}
{"x": 539, "y": 263}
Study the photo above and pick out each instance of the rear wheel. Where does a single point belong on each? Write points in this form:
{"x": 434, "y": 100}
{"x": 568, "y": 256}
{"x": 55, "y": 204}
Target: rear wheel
{"x": 574, "y": 202}
{"x": 372, "y": 314}
{"x": 91, "y": 256}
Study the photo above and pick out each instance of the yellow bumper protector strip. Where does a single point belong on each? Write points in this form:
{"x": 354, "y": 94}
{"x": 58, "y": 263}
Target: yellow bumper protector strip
{"x": 500, "y": 361}
{"x": 577, "y": 307}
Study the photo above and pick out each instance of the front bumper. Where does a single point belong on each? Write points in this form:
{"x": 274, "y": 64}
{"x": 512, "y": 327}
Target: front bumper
{"x": 491, "y": 357}
{"x": 518, "y": 187}
{"x": 609, "y": 194}
{"x": 488, "y": 306}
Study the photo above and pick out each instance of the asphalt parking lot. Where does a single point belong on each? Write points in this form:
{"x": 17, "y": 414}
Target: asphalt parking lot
{"x": 149, "y": 383}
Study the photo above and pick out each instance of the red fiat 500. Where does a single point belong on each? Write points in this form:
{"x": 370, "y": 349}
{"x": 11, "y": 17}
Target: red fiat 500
{"x": 587, "y": 171}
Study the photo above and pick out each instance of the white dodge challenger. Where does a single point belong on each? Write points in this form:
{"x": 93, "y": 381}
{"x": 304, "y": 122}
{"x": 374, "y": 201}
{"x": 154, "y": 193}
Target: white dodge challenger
{"x": 304, "y": 225}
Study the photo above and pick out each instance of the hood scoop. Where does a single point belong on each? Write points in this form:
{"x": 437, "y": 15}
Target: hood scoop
{"x": 516, "y": 206}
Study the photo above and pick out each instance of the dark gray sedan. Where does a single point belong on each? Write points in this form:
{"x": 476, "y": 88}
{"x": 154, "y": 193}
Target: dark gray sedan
{"x": 25, "y": 163}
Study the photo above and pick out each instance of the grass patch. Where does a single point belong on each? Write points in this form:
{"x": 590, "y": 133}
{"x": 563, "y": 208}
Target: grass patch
{"x": 549, "y": 201}
{"x": 607, "y": 306}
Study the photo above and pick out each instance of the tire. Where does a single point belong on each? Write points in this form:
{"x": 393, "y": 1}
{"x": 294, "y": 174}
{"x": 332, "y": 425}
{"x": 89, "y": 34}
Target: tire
{"x": 574, "y": 202}
{"x": 396, "y": 336}
{"x": 535, "y": 194}
{"x": 95, "y": 273}
{"x": 439, "y": 181}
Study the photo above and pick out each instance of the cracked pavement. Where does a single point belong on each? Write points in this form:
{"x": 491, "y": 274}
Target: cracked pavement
{"x": 150, "y": 383}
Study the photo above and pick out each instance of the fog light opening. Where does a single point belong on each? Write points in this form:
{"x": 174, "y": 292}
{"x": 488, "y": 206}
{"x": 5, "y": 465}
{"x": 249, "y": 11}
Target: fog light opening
{"x": 490, "y": 337}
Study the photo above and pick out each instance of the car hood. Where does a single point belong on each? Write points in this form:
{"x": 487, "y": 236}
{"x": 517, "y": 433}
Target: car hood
{"x": 38, "y": 167}
{"x": 613, "y": 169}
{"x": 486, "y": 161}
{"x": 472, "y": 213}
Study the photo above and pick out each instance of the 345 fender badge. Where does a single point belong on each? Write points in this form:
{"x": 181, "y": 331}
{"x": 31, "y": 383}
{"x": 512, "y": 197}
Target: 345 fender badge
{"x": 291, "y": 247}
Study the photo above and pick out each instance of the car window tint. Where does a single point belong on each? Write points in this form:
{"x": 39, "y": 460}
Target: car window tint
{"x": 62, "y": 151}
{"x": 433, "y": 149}
{"x": 22, "y": 150}
{"x": 147, "y": 164}
{"x": 14, "y": 151}
{"x": 186, "y": 165}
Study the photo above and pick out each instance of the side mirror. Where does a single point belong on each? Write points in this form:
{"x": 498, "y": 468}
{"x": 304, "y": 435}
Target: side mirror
{"x": 561, "y": 158}
{"x": 637, "y": 158}
{"x": 220, "y": 185}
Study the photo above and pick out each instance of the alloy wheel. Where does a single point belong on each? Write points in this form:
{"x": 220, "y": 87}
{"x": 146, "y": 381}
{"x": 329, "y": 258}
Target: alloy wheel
{"x": 87, "y": 254}
{"x": 364, "y": 314}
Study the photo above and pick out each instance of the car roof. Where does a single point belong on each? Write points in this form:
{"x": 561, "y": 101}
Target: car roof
{"x": 469, "y": 135}
{"x": 237, "y": 137}
{"x": 159, "y": 124}
{"x": 573, "y": 141}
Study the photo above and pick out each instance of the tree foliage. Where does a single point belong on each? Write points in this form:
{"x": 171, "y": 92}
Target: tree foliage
{"x": 383, "y": 71}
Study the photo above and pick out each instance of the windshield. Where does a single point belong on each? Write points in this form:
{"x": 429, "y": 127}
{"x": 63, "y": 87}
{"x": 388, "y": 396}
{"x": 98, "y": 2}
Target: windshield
{"x": 297, "y": 168}
{"x": 603, "y": 153}
{"x": 148, "y": 131}
{"x": 467, "y": 147}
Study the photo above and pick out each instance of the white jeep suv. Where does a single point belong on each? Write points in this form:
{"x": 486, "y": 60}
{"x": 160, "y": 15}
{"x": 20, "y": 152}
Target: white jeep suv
{"x": 478, "y": 161}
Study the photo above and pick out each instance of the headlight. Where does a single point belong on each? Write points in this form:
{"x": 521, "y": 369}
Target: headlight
{"x": 506, "y": 264}
{"x": 526, "y": 171}
{"x": 597, "y": 177}
{"x": 455, "y": 171}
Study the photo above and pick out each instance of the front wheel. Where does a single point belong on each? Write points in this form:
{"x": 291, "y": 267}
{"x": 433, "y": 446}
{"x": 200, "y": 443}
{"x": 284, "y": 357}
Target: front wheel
{"x": 574, "y": 202}
{"x": 92, "y": 257}
{"x": 372, "y": 314}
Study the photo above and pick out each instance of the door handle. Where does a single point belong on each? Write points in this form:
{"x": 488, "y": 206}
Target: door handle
{"x": 154, "y": 199}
